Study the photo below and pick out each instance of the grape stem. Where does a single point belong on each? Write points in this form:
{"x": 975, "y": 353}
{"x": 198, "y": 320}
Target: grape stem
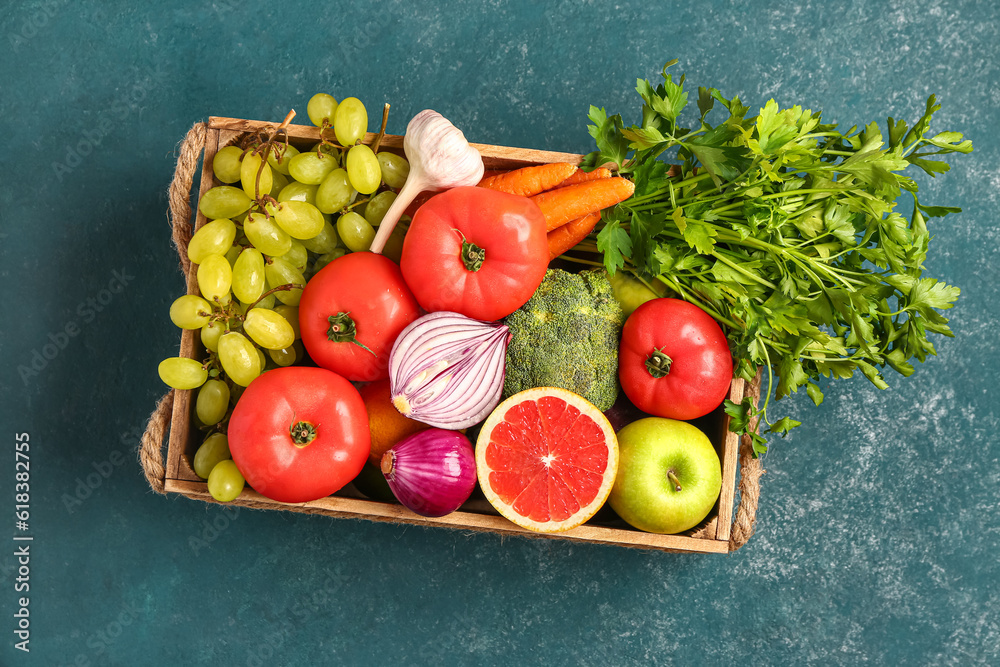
{"x": 381, "y": 132}
{"x": 287, "y": 287}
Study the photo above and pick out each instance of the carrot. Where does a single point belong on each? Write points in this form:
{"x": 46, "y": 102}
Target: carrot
{"x": 529, "y": 181}
{"x": 581, "y": 176}
{"x": 490, "y": 173}
{"x": 565, "y": 237}
{"x": 574, "y": 201}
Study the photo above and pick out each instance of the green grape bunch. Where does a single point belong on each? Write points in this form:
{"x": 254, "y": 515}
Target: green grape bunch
{"x": 277, "y": 214}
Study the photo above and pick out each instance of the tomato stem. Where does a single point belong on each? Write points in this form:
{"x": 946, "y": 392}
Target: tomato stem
{"x": 472, "y": 255}
{"x": 343, "y": 330}
{"x": 302, "y": 433}
{"x": 658, "y": 364}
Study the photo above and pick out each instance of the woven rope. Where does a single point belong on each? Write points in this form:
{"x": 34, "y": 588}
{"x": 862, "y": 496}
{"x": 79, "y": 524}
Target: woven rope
{"x": 151, "y": 449}
{"x": 180, "y": 190}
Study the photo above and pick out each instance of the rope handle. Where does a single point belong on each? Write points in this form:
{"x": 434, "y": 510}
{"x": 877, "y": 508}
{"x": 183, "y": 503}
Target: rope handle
{"x": 151, "y": 448}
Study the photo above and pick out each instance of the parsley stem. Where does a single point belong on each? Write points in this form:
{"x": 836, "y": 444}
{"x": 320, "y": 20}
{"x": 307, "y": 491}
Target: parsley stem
{"x": 739, "y": 269}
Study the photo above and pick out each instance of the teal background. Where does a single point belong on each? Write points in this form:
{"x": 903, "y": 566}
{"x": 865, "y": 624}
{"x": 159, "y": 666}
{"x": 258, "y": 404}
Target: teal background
{"x": 878, "y": 527}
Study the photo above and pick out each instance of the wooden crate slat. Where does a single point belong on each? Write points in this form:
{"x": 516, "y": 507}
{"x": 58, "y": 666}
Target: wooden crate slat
{"x": 375, "y": 511}
{"x": 730, "y": 463}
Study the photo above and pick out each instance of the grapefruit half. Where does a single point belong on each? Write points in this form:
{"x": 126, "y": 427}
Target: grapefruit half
{"x": 546, "y": 459}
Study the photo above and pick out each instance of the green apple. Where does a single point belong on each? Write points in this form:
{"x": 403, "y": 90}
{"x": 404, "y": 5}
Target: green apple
{"x": 669, "y": 475}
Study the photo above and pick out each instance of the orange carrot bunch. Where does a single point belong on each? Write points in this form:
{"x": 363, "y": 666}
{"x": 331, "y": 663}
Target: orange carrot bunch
{"x": 570, "y": 199}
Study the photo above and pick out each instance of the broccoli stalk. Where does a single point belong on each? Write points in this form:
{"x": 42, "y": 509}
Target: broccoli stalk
{"x": 567, "y": 336}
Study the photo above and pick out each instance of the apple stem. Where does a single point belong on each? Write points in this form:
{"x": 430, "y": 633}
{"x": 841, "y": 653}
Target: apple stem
{"x": 673, "y": 479}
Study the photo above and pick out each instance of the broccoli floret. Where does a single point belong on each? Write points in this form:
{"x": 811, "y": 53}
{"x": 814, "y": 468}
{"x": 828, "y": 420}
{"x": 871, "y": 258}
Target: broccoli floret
{"x": 567, "y": 336}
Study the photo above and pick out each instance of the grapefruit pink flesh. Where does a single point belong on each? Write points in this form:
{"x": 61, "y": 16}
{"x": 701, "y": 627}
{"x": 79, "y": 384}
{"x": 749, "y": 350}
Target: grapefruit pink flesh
{"x": 549, "y": 458}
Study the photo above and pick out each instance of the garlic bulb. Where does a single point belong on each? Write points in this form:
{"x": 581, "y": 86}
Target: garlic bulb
{"x": 440, "y": 157}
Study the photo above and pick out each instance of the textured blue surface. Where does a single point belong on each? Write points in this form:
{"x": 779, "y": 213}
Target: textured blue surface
{"x": 878, "y": 526}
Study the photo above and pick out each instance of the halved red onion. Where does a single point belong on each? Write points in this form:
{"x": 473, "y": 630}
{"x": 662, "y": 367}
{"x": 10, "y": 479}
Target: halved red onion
{"x": 431, "y": 472}
{"x": 447, "y": 370}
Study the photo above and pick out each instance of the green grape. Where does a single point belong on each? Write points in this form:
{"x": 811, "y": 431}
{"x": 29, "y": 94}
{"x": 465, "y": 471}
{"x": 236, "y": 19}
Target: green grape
{"x": 326, "y": 258}
{"x": 284, "y": 357}
{"x": 213, "y": 238}
{"x": 234, "y": 252}
{"x": 225, "y": 482}
{"x": 377, "y": 207}
{"x": 394, "y": 246}
{"x": 279, "y": 156}
{"x": 262, "y": 358}
{"x": 182, "y": 373}
{"x": 268, "y": 329}
{"x": 320, "y": 262}
{"x": 214, "y": 450}
{"x": 235, "y": 393}
{"x": 363, "y": 169}
{"x": 323, "y": 242}
{"x": 279, "y": 272}
{"x": 355, "y": 232}
{"x": 239, "y": 358}
{"x": 215, "y": 277}
{"x": 291, "y": 314}
{"x": 350, "y": 122}
{"x": 248, "y": 275}
{"x": 321, "y": 107}
{"x": 278, "y": 183}
{"x": 394, "y": 168}
{"x": 265, "y": 235}
{"x": 248, "y": 176}
{"x": 226, "y": 164}
{"x": 311, "y": 168}
{"x": 213, "y": 402}
{"x": 335, "y": 192}
{"x": 299, "y": 219}
{"x": 210, "y": 334}
{"x": 296, "y": 191}
{"x": 224, "y": 201}
{"x": 297, "y": 255}
{"x": 190, "y": 312}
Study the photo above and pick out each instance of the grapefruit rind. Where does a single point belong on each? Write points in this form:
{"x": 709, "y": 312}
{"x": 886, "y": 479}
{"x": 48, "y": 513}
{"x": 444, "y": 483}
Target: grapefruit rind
{"x": 506, "y": 509}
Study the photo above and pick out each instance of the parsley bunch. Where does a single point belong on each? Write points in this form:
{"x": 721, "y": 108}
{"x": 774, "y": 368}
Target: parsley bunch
{"x": 785, "y": 230}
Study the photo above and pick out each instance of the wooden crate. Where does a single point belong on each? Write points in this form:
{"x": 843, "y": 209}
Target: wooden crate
{"x": 711, "y": 536}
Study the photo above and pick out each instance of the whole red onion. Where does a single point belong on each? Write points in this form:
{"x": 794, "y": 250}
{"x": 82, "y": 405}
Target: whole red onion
{"x": 431, "y": 472}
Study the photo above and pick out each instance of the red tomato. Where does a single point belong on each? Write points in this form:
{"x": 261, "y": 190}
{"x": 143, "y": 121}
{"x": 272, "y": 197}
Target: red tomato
{"x": 351, "y": 313}
{"x": 299, "y": 433}
{"x": 674, "y": 360}
{"x": 475, "y": 251}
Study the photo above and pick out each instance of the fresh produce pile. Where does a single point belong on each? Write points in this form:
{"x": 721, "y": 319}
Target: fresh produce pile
{"x": 409, "y": 324}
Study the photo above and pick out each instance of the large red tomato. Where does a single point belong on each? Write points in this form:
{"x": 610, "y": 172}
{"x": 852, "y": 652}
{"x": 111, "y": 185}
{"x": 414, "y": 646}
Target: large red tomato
{"x": 299, "y": 433}
{"x": 351, "y": 313}
{"x": 475, "y": 251}
{"x": 674, "y": 360}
